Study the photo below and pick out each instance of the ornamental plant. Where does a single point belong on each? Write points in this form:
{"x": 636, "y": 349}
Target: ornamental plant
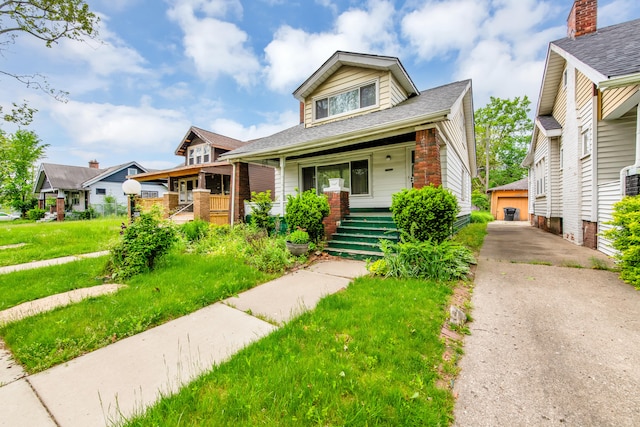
{"x": 143, "y": 243}
{"x": 261, "y": 211}
{"x": 625, "y": 237}
{"x": 306, "y": 211}
{"x": 427, "y": 213}
{"x": 298, "y": 237}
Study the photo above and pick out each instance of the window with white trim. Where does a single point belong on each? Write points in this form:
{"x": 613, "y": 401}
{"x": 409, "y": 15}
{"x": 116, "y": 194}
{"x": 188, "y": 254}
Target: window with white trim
{"x": 206, "y": 156}
{"x": 541, "y": 178}
{"x": 586, "y": 141}
{"x": 101, "y": 191}
{"x": 132, "y": 171}
{"x": 345, "y": 102}
{"x": 149, "y": 194}
{"x": 191, "y": 156}
{"x": 355, "y": 174}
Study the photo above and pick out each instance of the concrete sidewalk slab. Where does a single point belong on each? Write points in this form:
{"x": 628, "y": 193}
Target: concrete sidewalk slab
{"x": 122, "y": 379}
{"x": 50, "y": 262}
{"x": 21, "y": 407}
{"x": 10, "y": 371}
{"x": 41, "y": 305}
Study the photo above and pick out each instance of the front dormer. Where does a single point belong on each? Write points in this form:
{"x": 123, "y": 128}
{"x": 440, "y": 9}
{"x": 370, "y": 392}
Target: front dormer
{"x": 202, "y": 147}
{"x": 352, "y": 84}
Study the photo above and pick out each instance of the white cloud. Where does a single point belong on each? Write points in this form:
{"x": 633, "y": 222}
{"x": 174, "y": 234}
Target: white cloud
{"x": 120, "y": 128}
{"x": 273, "y": 125}
{"x": 294, "y": 54}
{"x": 439, "y": 28}
{"x": 215, "y": 46}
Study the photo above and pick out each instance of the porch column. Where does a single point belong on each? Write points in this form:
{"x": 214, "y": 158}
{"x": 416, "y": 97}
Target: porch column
{"x": 201, "y": 204}
{"x": 427, "y": 169}
{"x": 202, "y": 179}
{"x": 338, "y": 197}
{"x": 42, "y": 201}
{"x": 241, "y": 191}
{"x": 60, "y": 206}
{"x": 169, "y": 202}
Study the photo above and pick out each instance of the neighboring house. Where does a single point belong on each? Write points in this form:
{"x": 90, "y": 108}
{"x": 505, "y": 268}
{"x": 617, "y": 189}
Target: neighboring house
{"x": 201, "y": 185}
{"x": 514, "y": 195}
{"x": 76, "y": 188}
{"x": 362, "y": 119}
{"x": 585, "y": 149}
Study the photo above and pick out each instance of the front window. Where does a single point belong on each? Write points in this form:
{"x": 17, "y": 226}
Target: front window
{"x": 345, "y": 102}
{"x": 101, "y": 191}
{"x": 586, "y": 142}
{"x": 206, "y": 157}
{"x": 354, "y": 173}
{"x": 541, "y": 181}
{"x": 149, "y": 194}
{"x": 191, "y": 156}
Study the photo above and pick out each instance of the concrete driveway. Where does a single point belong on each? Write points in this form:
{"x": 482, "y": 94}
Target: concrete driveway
{"x": 550, "y": 345}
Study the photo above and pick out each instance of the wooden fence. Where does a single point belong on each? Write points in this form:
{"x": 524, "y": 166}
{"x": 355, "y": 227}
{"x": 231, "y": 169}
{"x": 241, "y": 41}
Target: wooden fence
{"x": 219, "y": 209}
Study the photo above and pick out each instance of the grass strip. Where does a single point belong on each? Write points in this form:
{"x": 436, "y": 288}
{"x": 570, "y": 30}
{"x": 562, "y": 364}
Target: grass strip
{"x": 29, "y": 285}
{"x": 181, "y": 284}
{"x": 366, "y": 356}
{"x": 472, "y": 236}
{"x": 56, "y": 239}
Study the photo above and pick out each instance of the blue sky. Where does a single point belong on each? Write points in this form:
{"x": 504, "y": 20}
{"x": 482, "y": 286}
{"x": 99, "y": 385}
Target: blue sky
{"x": 230, "y": 66}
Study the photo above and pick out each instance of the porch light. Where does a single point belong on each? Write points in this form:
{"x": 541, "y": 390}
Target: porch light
{"x": 131, "y": 188}
{"x": 388, "y": 158}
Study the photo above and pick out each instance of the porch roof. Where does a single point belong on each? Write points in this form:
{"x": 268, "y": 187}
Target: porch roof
{"x": 222, "y": 168}
{"x": 430, "y": 106}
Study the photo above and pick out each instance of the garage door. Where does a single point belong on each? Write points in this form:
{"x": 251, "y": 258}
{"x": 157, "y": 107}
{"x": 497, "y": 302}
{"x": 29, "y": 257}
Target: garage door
{"x": 513, "y": 202}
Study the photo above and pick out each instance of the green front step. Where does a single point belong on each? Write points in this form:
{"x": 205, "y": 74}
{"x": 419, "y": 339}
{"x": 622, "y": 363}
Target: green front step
{"x": 359, "y": 246}
{"x": 359, "y": 234}
{"x": 354, "y": 254}
{"x": 367, "y": 224}
{"x": 364, "y": 238}
{"x": 391, "y": 232}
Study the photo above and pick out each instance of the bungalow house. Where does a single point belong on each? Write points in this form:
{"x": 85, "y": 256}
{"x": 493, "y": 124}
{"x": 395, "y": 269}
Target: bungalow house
{"x": 200, "y": 186}
{"x": 363, "y": 120}
{"x": 585, "y": 150}
{"x": 76, "y": 188}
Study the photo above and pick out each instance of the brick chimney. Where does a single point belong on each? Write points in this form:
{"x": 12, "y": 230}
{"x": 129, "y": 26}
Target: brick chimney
{"x": 93, "y": 164}
{"x": 583, "y": 18}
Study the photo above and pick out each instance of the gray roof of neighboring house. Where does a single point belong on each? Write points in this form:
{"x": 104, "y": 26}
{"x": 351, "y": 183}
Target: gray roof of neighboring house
{"x": 65, "y": 177}
{"x": 549, "y": 122}
{"x": 522, "y": 184}
{"x": 432, "y": 101}
{"x": 612, "y": 51}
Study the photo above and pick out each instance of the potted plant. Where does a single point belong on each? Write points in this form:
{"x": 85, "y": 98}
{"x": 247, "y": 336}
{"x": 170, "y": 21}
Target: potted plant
{"x": 298, "y": 242}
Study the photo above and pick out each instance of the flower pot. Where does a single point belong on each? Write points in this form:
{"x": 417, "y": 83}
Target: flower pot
{"x": 298, "y": 249}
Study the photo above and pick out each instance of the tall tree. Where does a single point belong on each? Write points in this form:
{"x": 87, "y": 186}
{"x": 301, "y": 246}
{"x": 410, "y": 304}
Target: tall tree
{"x": 503, "y": 131}
{"x": 48, "y": 21}
{"x": 19, "y": 153}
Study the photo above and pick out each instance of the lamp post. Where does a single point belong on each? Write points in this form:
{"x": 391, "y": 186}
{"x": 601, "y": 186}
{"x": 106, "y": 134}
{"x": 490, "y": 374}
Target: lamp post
{"x": 131, "y": 188}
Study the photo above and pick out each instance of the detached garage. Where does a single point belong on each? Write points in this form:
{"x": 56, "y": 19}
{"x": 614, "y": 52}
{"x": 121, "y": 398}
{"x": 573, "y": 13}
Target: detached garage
{"x": 514, "y": 196}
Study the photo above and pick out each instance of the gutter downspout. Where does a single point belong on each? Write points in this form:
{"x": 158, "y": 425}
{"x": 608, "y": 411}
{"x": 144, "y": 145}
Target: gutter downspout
{"x": 233, "y": 194}
{"x": 633, "y": 169}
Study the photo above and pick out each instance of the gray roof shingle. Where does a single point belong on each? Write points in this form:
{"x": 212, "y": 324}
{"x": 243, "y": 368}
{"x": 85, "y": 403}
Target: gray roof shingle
{"x": 549, "y": 123}
{"x": 65, "y": 177}
{"x": 612, "y": 51}
{"x": 522, "y": 184}
{"x": 428, "y": 102}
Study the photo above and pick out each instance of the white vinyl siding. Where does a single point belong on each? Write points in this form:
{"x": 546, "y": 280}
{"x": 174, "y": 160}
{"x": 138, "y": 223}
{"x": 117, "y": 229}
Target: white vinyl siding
{"x": 454, "y": 128}
{"x": 586, "y": 162}
{"x": 539, "y": 177}
{"x": 555, "y": 173}
{"x": 613, "y": 98}
{"x": 584, "y": 89}
{"x": 616, "y": 146}
{"x": 456, "y": 178}
{"x": 560, "y": 106}
{"x": 608, "y": 195}
{"x": 347, "y": 77}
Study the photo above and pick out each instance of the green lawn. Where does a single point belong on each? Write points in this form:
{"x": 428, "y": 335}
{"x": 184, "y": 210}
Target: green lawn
{"x": 28, "y": 285}
{"x": 366, "y": 356}
{"x": 56, "y": 239}
{"x": 181, "y": 284}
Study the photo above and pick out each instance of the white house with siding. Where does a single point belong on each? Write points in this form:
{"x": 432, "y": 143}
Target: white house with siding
{"x": 585, "y": 150}
{"x": 363, "y": 120}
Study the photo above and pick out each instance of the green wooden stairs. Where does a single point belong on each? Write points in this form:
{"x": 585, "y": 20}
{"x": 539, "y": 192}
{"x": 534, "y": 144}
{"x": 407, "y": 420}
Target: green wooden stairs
{"x": 359, "y": 234}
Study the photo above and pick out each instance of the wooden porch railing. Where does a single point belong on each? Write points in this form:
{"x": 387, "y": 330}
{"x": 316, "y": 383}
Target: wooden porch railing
{"x": 219, "y": 209}
{"x": 147, "y": 204}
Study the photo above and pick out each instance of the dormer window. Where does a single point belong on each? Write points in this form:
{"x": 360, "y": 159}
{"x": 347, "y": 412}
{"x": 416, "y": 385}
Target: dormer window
{"x": 345, "y": 102}
{"x": 191, "y": 156}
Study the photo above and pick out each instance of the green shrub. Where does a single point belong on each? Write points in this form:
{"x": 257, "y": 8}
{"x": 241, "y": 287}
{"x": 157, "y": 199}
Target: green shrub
{"x": 35, "y": 214}
{"x": 447, "y": 260}
{"x": 427, "y": 213}
{"x": 143, "y": 243}
{"x": 481, "y": 217}
{"x": 269, "y": 254}
{"x": 480, "y": 200}
{"x": 298, "y": 237}
{"x": 625, "y": 237}
{"x": 261, "y": 210}
{"x": 195, "y": 230}
{"x": 306, "y": 211}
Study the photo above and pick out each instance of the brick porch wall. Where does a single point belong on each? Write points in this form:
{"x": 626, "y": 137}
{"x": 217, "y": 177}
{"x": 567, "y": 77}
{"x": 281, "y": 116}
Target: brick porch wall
{"x": 338, "y": 209}
{"x": 242, "y": 191}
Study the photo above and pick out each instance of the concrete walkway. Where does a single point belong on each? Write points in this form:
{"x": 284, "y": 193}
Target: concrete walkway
{"x": 549, "y": 345}
{"x": 49, "y": 262}
{"x": 115, "y": 382}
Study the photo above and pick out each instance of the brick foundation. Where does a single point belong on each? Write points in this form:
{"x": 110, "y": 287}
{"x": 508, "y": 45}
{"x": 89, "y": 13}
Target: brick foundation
{"x": 427, "y": 169}
{"x": 170, "y": 201}
{"x": 550, "y": 225}
{"x": 338, "y": 209}
{"x": 590, "y": 234}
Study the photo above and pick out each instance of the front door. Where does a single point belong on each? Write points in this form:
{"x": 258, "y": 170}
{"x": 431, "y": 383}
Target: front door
{"x": 185, "y": 191}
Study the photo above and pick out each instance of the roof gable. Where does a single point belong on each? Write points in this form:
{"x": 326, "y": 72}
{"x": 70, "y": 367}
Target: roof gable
{"x": 214, "y": 139}
{"x": 110, "y": 171}
{"x": 63, "y": 177}
{"x": 341, "y": 58}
